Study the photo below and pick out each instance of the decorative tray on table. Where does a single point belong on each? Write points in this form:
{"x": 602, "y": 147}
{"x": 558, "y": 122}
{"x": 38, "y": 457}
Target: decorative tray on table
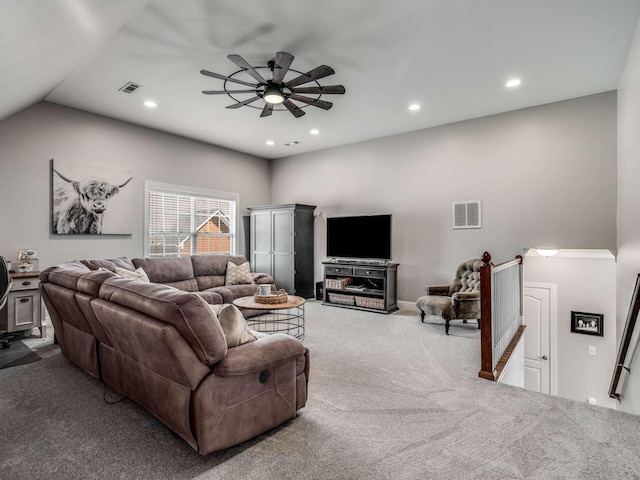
{"x": 276, "y": 297}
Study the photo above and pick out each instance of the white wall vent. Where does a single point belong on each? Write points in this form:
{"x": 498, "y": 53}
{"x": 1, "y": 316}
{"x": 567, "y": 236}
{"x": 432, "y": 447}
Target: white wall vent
{"x": 467, "y": 214}
{"x": 129, "y": 87}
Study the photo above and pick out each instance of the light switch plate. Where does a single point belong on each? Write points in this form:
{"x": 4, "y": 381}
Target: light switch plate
{"x": 592, "y": 350}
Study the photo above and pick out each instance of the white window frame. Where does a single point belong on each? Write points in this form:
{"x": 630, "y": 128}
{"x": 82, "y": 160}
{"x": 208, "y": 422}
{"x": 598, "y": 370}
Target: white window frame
{"x": 150, "y": 186}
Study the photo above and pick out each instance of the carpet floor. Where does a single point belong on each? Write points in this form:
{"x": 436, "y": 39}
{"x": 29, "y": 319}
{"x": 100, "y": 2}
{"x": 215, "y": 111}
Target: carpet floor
{"x": 389, "y": 398}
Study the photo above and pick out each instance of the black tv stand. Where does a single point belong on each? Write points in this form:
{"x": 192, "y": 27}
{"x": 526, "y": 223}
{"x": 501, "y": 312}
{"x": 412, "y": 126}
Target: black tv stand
{"x": 361, "y": 284}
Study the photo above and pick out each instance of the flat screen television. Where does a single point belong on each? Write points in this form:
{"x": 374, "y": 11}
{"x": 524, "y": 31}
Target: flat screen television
{"x": 364, "y": 236}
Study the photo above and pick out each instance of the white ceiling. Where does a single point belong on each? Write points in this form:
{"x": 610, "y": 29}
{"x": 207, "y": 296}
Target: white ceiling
{"x": 451, "y": 56}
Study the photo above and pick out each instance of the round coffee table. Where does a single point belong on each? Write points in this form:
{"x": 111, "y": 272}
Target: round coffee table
{"x": 286, "y": 317}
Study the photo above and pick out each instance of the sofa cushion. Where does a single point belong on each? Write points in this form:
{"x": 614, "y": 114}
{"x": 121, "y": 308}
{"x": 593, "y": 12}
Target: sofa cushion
{"x": 210, "y": 281}
{"x": 238, "y": 274}
{"x": 138, "y": 274}
{"x": 233, "y": 324}
{"x": 173, "y": 271}
{"x": 210, "y": 270}
{"x": 91, "y": 281}
{"x": 66, "y": 274}
{"x": 212, "y": 298}
{"x": 110, "y": 264}
{"x": 189, "y": 313}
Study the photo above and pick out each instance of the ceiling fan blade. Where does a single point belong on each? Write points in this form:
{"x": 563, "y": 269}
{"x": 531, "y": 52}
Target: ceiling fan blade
{"x": 281, "y": 66}
{"x": 245, "y": 102}
{"x": 318, "y": 72}
{"x": 221, "y": 92}
{"x": 324, "y": 90}
{"x": 242, "y": 63}
{"x": 312, "y": 101}
{"x": 295, "y": 111}
{"x": 267, "y": 110}
{"x": 222, "y": 77}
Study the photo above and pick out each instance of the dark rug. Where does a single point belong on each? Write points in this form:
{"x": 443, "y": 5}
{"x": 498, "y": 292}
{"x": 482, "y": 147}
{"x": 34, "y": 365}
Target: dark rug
{"x": 17, "y": 354}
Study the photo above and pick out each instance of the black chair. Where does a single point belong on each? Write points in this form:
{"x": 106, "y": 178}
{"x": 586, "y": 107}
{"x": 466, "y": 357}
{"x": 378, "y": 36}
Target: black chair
{"x": 5, "y": 286}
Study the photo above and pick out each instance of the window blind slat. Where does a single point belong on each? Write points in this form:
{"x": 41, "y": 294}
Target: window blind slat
{"x": 184, "y": 224}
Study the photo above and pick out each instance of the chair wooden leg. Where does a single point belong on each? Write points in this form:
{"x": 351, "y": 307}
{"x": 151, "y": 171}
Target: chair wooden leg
{"x": 422, "y": 316}
{"x": 464, "y": 320}
{"x": 478, "y": 324}
{"x": 446, "y": 326}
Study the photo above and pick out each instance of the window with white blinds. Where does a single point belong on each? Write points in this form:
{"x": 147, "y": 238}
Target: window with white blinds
{"x": 188, "y": 221}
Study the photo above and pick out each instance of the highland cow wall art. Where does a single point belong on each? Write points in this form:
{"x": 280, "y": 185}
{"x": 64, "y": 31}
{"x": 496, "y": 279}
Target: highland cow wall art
{"x": 90, "y": 199}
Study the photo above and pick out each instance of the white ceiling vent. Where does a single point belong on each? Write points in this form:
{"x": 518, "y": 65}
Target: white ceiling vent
{"x": 467, "y": 214}
{"x": 129, "y": 87}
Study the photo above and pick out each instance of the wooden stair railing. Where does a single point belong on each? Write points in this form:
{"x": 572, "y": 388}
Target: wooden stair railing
{"x": 488, "y": 369}
{"x": 625, "y": 342}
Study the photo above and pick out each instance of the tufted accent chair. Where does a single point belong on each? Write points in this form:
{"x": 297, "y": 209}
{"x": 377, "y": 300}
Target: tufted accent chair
{"x": 460, "y": 300}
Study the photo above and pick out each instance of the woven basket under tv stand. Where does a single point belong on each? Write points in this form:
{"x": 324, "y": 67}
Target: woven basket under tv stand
{"x": 373, "y": 286}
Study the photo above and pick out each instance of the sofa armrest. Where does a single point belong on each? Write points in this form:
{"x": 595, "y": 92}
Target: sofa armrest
{"x": 441, "y": 290}
{"x": 259, "y": 355}
{"x": 465, "y": 296}
{"x": 212, "y": 298}
{"x": 262, "y": 278}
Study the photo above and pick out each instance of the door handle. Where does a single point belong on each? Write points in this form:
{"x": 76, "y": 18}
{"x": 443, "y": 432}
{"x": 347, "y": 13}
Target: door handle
{"x": 543, "y": 357}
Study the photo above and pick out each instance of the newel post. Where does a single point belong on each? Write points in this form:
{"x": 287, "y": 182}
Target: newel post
{"x": 486, "y": 360}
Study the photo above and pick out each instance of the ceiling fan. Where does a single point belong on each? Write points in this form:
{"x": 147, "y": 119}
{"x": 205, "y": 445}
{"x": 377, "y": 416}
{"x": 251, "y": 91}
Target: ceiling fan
{"x": 275, "y": 91}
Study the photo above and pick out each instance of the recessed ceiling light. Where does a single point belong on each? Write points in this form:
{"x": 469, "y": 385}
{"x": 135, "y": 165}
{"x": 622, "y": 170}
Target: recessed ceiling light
{"x": 150, "y": 104}
{"x": 270, "y": 142}
{"x": 315, "y": 131}
{"x": 513, "y": 83}
{"x": 414, "y": 107}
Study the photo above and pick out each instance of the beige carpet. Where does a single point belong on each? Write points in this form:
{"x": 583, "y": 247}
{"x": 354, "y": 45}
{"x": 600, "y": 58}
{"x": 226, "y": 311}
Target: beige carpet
{"x": 390, "y": 398}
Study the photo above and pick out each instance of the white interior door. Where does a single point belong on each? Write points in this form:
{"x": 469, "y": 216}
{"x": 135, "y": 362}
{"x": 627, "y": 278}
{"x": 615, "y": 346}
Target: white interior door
{"x": 539, "y": 341}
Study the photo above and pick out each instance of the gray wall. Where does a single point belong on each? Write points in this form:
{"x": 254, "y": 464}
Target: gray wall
{"x": 546, "y": 176}
{"x": 585, "y": 283}
{"x": 29, "y": 139}
{"x": 629, "y": 205}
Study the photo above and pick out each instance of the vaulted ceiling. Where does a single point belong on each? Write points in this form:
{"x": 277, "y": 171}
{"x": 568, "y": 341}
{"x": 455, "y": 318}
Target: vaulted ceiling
{"x": 452, "y": 57}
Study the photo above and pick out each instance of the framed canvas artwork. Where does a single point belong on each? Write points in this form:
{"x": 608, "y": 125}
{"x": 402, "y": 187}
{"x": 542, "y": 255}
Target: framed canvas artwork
{"x": 90, "y": 199}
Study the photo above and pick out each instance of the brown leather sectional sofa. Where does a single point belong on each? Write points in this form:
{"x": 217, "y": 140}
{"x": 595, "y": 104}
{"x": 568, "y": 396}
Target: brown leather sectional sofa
{"x": 161, "y": 345}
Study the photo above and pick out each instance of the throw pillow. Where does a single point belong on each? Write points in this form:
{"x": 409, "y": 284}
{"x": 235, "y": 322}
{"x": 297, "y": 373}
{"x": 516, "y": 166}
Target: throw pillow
{"x": 138, "y": 274}
{"x": 233, "y": 325}
{"x": 238, "y": 274}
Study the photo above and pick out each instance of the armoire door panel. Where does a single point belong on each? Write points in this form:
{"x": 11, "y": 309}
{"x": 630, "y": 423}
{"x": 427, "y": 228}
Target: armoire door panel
{"x": 261, "y": 263}
{"x": 282, "y": 233}
{"x": 261, "y": 232}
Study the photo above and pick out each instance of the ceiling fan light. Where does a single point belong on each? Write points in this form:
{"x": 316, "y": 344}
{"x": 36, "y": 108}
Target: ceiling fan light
{"x": 273, "y": 95}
